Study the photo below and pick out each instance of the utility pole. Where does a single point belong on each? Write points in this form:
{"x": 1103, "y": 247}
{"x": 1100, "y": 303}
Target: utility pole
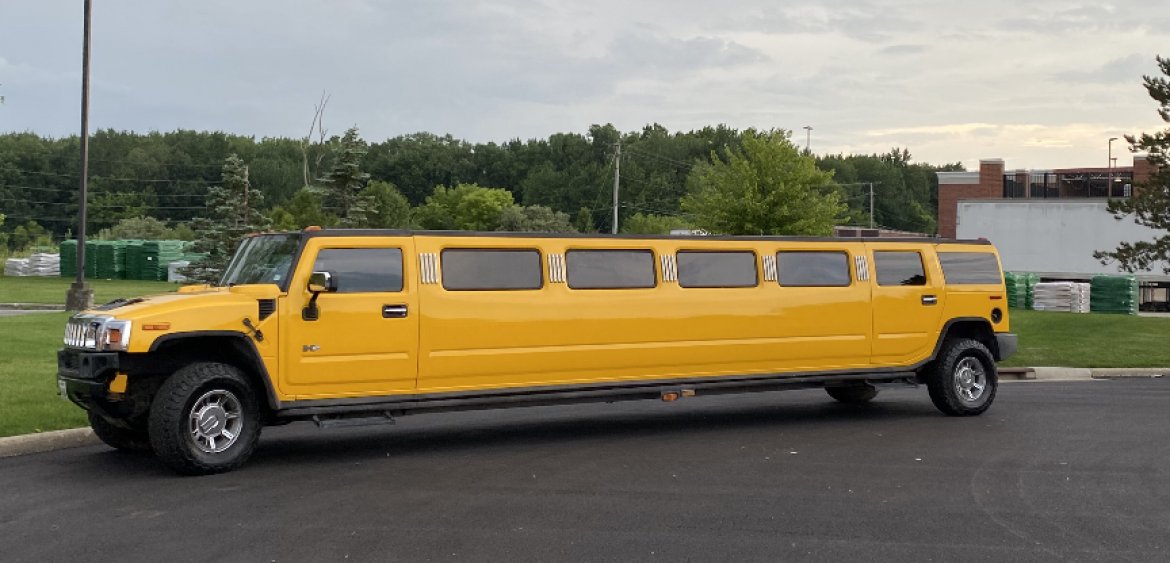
{"x": 871, "y": 205}
{"x": 80, "y": 296}
{"x": 807, "y": 138}
{"x": 1109, "y": 167}
{"x": 617, "y": 168}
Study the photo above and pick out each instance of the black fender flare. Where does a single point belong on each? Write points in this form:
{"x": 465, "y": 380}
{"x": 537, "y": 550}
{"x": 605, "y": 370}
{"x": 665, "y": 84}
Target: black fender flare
{"x": 245, "y": 344}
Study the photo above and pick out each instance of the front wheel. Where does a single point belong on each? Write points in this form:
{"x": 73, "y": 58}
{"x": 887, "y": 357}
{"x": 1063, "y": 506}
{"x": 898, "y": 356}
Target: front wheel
{"x": 963, "y": 380}
{"x": 205, "y": 419}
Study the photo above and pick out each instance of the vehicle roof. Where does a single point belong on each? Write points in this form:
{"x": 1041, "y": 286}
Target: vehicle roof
{"x": 499, "y": 234}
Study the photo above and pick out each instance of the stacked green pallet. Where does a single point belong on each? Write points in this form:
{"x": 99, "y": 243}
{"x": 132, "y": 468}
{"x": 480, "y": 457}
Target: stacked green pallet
{"x": 111, "y": 259}
{"x": 157, "y": 255}
{"x": 1114, "y": 294}
{"x": 1020, "y": 288}
{"x": 91, "y": 261}
{"x": 133, "y": 260}
{"x": 68, "y": 250}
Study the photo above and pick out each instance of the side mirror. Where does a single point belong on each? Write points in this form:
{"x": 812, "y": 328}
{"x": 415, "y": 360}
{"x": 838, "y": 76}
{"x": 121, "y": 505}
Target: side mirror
{"x": 322, "y": 282}
{"x": 319, "y": 282}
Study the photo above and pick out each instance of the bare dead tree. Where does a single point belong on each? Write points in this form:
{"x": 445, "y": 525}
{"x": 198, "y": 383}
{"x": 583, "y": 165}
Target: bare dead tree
{"x": 318, "y": 125}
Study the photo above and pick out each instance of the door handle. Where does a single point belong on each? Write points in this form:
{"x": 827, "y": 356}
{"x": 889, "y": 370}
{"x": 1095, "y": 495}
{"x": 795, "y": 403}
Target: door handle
{"x": 929, "y": 300}
{"x": 393, "y": 311}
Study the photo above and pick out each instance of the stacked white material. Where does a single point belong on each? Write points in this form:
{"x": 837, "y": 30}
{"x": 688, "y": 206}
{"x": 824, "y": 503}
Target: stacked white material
{"x": 1054, "y": 296}
{"x": 16, "y": 267}
{"x": 1081, "y": 298}
{"x": 173, "y": 268}
{"x": 44, "y": 264}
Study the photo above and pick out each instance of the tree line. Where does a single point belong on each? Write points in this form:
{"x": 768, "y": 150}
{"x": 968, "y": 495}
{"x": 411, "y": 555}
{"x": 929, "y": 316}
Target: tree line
{"x": 422, "y": 180}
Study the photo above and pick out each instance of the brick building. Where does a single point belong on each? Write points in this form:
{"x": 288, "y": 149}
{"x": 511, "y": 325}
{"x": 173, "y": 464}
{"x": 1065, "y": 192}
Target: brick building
{"x": 1049, "y": 222}
{"x": 993, "y": 182}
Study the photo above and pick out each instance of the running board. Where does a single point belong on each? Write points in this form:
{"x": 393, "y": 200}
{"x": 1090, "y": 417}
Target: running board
{"x": 356, "y": 419}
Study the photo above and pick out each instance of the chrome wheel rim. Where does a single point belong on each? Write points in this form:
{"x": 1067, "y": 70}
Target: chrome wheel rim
{"x": 970, "y": 380}
{"x": 215, "y": 421}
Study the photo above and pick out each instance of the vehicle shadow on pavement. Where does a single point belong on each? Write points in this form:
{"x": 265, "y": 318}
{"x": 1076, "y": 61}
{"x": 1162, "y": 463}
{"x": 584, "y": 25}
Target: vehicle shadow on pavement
{"x": 301, "y": 443}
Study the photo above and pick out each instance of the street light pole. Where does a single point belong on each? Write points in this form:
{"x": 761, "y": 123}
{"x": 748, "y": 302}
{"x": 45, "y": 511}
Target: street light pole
{"x": 80, "y": 296}
{"x": 1109, "y": 174}
{"x": 807, "y": 138}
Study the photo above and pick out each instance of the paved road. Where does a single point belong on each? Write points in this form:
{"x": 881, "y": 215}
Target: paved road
{"x": 1055, "y": 471}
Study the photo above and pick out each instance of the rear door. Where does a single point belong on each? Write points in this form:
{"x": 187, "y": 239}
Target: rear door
{"x": 365, "y": 339}
{"x": 907, "y": 295}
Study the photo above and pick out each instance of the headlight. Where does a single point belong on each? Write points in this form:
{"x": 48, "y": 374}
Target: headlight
{"x": 97, "y": 332}
{"x": 114, "y": 335}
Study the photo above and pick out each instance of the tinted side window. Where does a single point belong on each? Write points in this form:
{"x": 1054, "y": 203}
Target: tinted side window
{"x": 610, "y": 269}
{"x": 812, "y": 269}
{"x": 899, "y": 268}
{"x": 716, "y": 269}
{"x": 970, "y": 267}
{"x": 485, "y": 269}
{"x": 361, "y": 270}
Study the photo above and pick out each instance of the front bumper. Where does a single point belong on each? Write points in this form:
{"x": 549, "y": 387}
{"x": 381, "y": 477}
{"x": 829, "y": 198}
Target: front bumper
{"x": 83, "y": 376}
{"x": 1006, "y": 344}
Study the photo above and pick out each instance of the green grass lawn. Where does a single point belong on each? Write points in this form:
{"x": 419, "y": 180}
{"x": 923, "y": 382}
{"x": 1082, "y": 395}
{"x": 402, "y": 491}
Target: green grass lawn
{"x": 52, "y": 290}
{"x": 28, "y": 376}
{"x": 1090, "y": 341}
{"x": 28, "y": 356}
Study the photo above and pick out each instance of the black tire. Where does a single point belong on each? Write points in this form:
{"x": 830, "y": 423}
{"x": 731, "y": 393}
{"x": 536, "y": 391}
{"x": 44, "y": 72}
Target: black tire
{"x": 217, "y": 391}
{"x": 853, "y": 394}
{"x": 123, "y": 439}
{"x": 953, "y": 379}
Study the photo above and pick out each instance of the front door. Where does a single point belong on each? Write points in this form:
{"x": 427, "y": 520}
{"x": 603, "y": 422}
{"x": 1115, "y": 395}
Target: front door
{"x": 907, "y": 304}
{"x": 364, "y": 339}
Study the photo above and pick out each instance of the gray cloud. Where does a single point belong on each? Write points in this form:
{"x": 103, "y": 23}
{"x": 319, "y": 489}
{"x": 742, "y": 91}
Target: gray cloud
{"x": 510, "y": 68}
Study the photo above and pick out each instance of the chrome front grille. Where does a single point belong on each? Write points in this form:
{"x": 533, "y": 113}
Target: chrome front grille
{"x": 81, "y": 332}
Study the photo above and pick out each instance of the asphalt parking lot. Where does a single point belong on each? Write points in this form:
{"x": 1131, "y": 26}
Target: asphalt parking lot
{"x": 1054, "y": 471}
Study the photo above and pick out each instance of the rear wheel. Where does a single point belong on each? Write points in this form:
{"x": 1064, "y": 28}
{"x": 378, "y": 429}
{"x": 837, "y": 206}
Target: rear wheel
{"x": 205, "y": 419}
{"x": 963, "y": 380}
{"x": 117, "y": 437}
{"x": 853, "y": 394}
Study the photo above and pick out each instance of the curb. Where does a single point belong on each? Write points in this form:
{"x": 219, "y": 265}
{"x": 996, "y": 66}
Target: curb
{"x": 31, "y": 307}
{"x": 46, "y": 441}
{"x": 1120, "y": 373}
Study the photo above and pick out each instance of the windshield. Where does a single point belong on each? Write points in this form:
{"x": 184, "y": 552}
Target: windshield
{"x": 262, "y": 259}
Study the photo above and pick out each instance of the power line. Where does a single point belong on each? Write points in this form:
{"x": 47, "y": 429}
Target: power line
{"x": 100, "y": 206}
{"x": 74, "y": 190}
{"x": 665, "y": 159}
{"x": 110, "y": 178}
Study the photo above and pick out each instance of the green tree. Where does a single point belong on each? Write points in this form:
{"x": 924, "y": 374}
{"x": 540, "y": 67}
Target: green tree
{"x": 534, "y": 219}
{"x": 304, "y": 209}
{"x": 465, "y": 207}
{"x": 765, "y": 188}
{"x": 232, "y": 211}
{"x": 345, "y": 180}
{"x": 389, "y": 209}
{"x": 1150, "y": 204}
{"x": 584, "y": 221}
{"x": 144, "y": 228}
{"x": 650, "y": 224}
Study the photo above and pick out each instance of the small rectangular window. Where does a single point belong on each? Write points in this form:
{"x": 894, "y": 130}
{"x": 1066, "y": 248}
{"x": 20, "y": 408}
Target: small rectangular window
{"x": 813, "y": 269}
{"x": 970, "y": 268}
{"x": 899, "y": 268}
{"x": 610, "y": 269}
{"x": 716, "y": 268}
{"x": 362, "y": 270}
{"x": 467, "y": 269}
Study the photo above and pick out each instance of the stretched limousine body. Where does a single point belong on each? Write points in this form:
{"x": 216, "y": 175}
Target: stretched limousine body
{"x": 342, "y": 325}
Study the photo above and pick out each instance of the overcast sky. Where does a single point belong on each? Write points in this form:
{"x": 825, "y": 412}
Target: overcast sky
{"x": 1039, "y": 83}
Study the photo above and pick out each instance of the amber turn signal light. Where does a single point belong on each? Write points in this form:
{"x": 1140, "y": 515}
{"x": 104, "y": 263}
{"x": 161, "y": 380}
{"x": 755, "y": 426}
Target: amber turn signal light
{"x": 156, "y": 326}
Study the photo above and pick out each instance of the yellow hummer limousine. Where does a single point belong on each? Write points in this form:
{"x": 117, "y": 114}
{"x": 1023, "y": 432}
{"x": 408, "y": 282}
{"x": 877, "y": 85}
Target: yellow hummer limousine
{"x": 344, "y": 326}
